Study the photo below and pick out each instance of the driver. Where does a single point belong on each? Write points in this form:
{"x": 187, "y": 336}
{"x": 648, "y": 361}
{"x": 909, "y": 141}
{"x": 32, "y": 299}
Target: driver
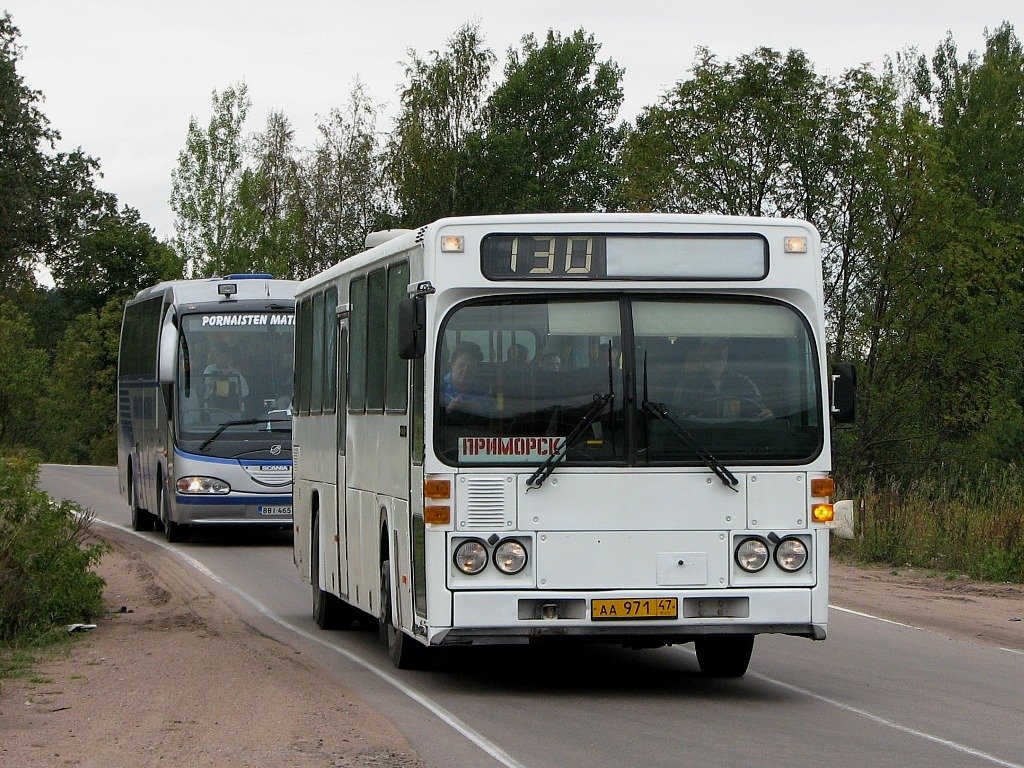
{"x": 223, "y": 364}
{"x": 709, "y": 388}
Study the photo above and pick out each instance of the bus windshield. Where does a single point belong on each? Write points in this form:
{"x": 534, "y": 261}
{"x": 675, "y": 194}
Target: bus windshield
{"x": 234, "y": 377}
{"x": 733, "y": 378}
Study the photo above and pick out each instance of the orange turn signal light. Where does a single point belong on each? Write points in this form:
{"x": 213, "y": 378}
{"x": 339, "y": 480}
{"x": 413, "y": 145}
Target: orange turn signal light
{"x": 437, "y": 489}
{"x": 437, "y": 514}
{"x": 822, "y": 513}
{"x": 822, "y": 486}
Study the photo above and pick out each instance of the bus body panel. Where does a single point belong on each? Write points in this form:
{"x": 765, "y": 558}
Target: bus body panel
{"x": 618, "y": 531}
{"x": 151, "y": 455}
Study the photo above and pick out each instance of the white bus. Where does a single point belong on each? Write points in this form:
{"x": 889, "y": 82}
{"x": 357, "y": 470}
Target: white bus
{"x": 204, "y": 389}
{"x": 600, "y": 427}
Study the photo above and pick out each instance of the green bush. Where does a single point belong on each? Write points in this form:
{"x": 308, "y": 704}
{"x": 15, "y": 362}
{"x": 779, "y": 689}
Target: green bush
{"x": 965, "y": 520}
{"x": 45, "y": 558}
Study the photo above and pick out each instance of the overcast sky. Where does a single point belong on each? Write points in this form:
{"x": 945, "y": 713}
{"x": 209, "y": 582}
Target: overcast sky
{"x": 122, "y": 78}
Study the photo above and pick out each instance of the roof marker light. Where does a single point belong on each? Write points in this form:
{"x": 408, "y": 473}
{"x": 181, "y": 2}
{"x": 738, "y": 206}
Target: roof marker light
{"x": 452, "y": 244}
{"x": 795, "y": 244}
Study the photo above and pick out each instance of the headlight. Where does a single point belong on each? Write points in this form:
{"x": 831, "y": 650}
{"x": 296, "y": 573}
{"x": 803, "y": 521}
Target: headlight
{"x": 471, "y": 556}
{"x": 752, "y": 555}
{"x": 510, "y": 556}
{"x": 198, "y": 484}
{"x": 791, "y": 554}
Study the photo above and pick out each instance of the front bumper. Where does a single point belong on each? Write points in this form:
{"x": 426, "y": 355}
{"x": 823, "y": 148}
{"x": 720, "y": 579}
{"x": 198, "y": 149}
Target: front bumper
{"x": 234, "y": 509}
{"x": 517, "y": 616}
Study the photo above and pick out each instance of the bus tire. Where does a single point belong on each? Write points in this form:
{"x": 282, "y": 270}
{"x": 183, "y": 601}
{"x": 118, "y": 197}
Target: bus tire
{"x": 405, "y": 652}
{"x": 173, "y": 532}
{"x": 329, "y": 611}
{"x": 141, "y": 519}
{"x": 724, "y": 655}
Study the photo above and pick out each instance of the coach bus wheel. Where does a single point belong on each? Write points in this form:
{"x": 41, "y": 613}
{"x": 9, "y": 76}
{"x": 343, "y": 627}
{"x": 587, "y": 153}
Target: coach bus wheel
{"x": 405, "y": 652}
{"x": 173, "y": 531}
{"x": 329, "y": 611}
{"x": 724, "y": 655}
{"x": 141, "y": 519}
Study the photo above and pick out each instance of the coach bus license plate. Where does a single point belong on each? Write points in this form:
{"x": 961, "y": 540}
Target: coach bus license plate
{"x": 634, "y": 608}
{"x": 276, "y": 510}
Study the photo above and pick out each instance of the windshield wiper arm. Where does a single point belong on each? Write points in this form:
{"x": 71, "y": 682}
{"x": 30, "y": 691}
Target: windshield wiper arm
{"x": 237, "y": 423}
{"x": 536, "y": 480}
{"x": 658, "y": 409}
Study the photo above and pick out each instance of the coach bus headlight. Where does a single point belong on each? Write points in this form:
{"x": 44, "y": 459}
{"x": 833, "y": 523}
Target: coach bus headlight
{"x": 510, "y": 556}
{"x": 752, "y": 554}
{"x": 471, "y": 556}
{"x": 791, "y": 554}
{"x": 199, "y": 484}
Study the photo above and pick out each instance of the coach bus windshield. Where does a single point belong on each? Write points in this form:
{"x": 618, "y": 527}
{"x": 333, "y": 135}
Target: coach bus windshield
{"x": 235, "y": 367}
{"x": 736, "y": 378}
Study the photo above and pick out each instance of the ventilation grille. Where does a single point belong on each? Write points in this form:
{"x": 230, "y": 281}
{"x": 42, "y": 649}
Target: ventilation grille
{"x": 420, "y": 233}
{"x": 485, "y": 504}
{"x": 272, "y": 476}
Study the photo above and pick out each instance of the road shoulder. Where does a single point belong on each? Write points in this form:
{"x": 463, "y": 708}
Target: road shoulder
{"x": 982, "y": 612}
{"x": 172, "y": 673}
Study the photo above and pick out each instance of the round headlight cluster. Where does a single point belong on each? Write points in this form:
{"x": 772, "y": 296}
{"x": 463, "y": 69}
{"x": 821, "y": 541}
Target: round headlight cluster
{"x": 471, "y": 556}
{"x": 790, "y": 554}
{"x": 752, "y": 554}
{"x": 509, "y": 556}
{"x": 198, "y": 484}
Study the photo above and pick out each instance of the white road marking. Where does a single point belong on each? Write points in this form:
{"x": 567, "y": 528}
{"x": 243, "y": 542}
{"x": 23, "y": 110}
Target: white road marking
{"x": 876, "y": 618}
{"x": 908, "y": 626}
{"x": 432, "y": 706}
{"x": 962, "y": 748}
{"x": 497, "y": 752}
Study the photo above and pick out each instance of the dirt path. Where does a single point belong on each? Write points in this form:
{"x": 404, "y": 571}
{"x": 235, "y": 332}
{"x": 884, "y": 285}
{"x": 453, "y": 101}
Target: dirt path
{"x": 181, "y": 681}
{"x": 973, "y": 610}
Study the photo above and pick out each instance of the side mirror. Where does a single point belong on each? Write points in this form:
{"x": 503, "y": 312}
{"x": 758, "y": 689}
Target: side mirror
{"x": 844, "y": 393}
{"x": 168, "y": 360}
{"x": 842, "y": 521}
{"x": 412, "y": 327}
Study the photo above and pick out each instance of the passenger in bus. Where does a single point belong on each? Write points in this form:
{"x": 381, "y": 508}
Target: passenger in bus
{"x": 711, "y": 388}
{"x": 225, "y": 386}
{"x": 549, "y": 362}
{"x": 462, "y": 390}
{"x": 516, "y": 357}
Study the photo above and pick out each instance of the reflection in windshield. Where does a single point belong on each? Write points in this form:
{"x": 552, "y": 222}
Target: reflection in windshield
{"x": 235, "y": 372}
{"x": 739, "y": 376}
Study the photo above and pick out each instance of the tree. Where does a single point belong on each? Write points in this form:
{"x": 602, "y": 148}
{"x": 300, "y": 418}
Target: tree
{"x": 24, "y": 131}
{"x": 441, "y": 104}
{"x": 22, "y": 373}
{"x": 735, "y": 138}
{"x": 119, "y": 257}
{"x": 267, "y": 218}
{"x": 549, "y": 143}
{"x": 204, "y": 187}
{"x": 980, "y": 109}
{"x": 344, "y": 192}
{"x": 78, "y": 404}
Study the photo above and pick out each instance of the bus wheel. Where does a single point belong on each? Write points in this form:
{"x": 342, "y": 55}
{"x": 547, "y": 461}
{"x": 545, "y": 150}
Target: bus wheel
{"x": 173, "y": 531}
{"x": 141, "y": 519}
{"x": 405, "y": 652}
{"x": 329, "y": 611}
{"x": 724, "y": 655}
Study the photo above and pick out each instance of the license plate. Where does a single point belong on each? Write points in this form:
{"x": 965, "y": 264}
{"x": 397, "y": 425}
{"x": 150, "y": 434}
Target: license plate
{"x": 278, "y": 510}
{"x": 632, "y": 608}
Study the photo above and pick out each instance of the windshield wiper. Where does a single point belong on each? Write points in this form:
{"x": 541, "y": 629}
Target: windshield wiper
{"x": 658, "y": 409}
{"x": 242, "y": 422}
{"x": 536, "y": 480}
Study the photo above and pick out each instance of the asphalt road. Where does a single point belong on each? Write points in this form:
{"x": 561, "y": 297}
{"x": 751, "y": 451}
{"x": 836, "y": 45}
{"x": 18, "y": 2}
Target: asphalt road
{"x": 874, "y": 694}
